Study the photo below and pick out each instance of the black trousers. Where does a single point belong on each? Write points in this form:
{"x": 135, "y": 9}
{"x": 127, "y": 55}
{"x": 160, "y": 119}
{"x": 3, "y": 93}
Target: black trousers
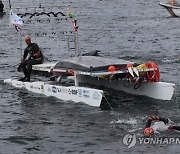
{"x": 26, "y": 66}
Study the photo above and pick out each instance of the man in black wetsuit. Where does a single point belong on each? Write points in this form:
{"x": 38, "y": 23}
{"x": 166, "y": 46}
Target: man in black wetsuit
{"x": 149, "y": 130}
{"x": 32, "y": 55}
{"x": 1, "y": 7}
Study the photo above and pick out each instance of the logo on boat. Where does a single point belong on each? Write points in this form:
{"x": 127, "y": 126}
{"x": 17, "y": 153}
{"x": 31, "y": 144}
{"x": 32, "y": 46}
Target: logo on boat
{"x": 20, "y": 85}
{"x": 80, "y": 92}
{"x": 33, "y": 87}
{"x": 55, "y": 89}
{"x": 96, "y": 96}
{"x": 85, "y": 93}
{"x": 72, "y": 91}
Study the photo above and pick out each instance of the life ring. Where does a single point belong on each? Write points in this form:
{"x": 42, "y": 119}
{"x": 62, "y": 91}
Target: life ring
{"x": 154, "y": 75}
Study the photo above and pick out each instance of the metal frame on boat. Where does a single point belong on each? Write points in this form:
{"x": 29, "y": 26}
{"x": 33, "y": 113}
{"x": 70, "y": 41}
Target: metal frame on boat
{"x": 139, "y": 79}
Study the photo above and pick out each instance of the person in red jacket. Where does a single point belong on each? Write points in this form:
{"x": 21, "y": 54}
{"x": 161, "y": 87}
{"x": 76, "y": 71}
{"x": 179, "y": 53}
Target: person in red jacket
{"x": 150, "y": 130}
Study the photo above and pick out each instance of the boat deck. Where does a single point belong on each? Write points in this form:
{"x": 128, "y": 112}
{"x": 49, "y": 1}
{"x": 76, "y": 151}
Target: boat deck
{"x": 90, "y": 63}
{"x": 46, "y": 67}
{"x": 83, "y": 63}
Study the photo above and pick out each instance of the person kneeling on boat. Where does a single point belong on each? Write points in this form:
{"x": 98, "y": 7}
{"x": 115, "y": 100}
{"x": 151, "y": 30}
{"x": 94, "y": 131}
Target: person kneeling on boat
{"x": 161, "y": 125}
{"x": 32, "y": 55}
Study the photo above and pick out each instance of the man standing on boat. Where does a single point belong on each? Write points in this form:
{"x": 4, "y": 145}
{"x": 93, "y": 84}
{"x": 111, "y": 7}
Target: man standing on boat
{"x": 1, "y": 7}
{"x": 32, "y": 55}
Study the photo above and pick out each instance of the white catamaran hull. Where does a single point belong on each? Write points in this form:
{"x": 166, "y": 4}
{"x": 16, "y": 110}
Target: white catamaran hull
{"x": 89, "y": 96}
{"x": 125, "y": 76}
{"x": 157, "y": 90}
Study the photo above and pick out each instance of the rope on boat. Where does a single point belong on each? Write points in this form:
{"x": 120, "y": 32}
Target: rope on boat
{"x": 108, "y": 102}
{"x": 110, "y": 107}
{"x": 177, "y": 106}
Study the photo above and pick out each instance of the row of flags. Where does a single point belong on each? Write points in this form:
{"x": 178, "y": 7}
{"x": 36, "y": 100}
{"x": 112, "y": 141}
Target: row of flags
{"x": 18, "y": 22}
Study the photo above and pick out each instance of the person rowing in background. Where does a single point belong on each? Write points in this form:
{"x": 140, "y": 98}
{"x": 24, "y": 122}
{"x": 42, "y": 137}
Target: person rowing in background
{"x": 32, "y": 55}
{"x": 162, "y": 125}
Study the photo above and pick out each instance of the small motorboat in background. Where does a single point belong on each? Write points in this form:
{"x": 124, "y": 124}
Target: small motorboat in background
{"x": 172, "y": 7}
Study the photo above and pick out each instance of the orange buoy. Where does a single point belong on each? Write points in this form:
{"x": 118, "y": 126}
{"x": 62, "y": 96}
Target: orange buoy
{"x": 70, "y": 72}
{"x": 129, "y": 65}
{"x": 111, "y": 68}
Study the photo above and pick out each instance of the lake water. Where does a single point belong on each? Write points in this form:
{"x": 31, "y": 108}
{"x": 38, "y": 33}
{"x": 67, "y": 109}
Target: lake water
{"x": 133, "y": 30}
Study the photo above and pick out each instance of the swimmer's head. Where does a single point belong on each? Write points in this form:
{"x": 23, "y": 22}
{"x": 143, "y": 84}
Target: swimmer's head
{"x": 148, "y": 131}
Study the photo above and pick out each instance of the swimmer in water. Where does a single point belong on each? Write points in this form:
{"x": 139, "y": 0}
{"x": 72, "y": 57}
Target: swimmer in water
{"x": 163, "y": 126}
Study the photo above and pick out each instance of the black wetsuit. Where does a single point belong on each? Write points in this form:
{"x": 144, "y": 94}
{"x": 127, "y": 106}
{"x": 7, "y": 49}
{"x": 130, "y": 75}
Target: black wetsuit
{"x": 32, "y": 55}
{"x": 1, "y": 7}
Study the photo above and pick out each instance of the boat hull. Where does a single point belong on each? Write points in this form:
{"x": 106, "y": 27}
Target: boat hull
{"x": 173, "y": 9}
{"x": 156, "y": 90}
{"x": 86, "y": 95}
